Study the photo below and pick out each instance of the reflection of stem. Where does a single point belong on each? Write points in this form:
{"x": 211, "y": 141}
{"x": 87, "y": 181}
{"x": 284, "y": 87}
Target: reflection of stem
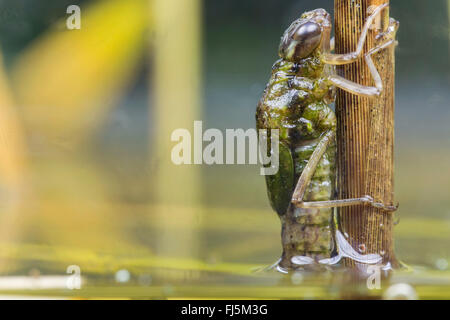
{"x": 12, "y": 160}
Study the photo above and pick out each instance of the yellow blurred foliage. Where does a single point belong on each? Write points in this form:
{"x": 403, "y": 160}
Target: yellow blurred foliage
{"x": 12, "y": 148}
{"x": 11, "y": 137}
{"x": 12, "y": 162}
{"x": 64, "y": 84}
{"x": 67, "y": 79}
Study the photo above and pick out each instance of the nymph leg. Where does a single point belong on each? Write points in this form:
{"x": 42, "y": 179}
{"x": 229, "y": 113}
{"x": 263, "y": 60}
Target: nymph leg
{"x": 307, "y": 174}
{"x": 353, "y": 87}
{"x": 346, "y": 58}
{"x": 358, "y": 89}
{"x": 373, "y": 70}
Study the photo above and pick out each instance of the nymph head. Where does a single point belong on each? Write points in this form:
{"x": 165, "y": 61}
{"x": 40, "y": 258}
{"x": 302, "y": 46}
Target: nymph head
{"x": 305, "y": 35}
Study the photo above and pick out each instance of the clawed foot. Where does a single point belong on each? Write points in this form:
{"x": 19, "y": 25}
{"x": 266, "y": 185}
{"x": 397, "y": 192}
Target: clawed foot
{"x": 368, "y": 200}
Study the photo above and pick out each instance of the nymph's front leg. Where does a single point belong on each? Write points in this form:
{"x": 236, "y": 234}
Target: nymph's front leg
{"x": 346, "y": 58}
{"x": 386, "y": 39}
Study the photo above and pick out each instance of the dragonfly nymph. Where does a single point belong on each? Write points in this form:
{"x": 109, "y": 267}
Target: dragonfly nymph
{"x": 297, "y": 102}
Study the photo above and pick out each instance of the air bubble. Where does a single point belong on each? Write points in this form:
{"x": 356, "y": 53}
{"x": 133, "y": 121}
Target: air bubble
{"x": 122, "y": 276}
{"x": 400, "y": 291}
{"x": 441, "y": 264}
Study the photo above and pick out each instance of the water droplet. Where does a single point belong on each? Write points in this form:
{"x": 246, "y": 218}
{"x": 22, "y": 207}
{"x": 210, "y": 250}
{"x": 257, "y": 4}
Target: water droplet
{"x": 400, "y": 291}
{"x": 362, "y": 248}
{"x": 382, "y": 253}
{"x": 123, "y": 276}
{"x": 441, "y": 264}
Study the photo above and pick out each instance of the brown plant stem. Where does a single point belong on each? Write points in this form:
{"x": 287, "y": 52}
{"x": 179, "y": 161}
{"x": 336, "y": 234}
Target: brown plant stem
{"x": 365, "y": 134}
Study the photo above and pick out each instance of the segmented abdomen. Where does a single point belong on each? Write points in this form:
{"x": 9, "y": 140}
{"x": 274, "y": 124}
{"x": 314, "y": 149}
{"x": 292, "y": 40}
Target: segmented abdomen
{"x": 312, "y": 227}
{"x": 298, "y": 106}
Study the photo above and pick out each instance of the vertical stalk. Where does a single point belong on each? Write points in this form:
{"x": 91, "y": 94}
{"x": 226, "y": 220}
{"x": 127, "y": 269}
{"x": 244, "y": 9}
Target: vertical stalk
{"x": 176, "y": 87}
{"x": 12, "y": 164}
{"x": 365, "y": 133}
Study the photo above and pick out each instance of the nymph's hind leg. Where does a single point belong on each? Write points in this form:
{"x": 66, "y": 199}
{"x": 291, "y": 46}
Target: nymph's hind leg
{"x": 310, "y": 168}
{"x": 308, "y": 173}
{"x": 366, "y": 200}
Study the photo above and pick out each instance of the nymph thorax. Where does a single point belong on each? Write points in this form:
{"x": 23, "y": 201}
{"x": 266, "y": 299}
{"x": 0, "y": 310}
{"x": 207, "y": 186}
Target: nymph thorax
{"x": 296, "y": 99}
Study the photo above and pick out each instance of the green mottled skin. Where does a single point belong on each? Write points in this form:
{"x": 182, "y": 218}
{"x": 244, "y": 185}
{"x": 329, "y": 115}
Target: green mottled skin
{"x": 296, "y": 101}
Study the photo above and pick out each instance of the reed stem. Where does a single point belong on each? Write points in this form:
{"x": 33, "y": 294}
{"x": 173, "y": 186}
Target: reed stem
{"x": 365, "y": 135}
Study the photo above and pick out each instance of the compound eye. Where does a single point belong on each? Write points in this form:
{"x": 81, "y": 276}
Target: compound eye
{"x": 308, "y": 36}
{"x": 308, "y": 31}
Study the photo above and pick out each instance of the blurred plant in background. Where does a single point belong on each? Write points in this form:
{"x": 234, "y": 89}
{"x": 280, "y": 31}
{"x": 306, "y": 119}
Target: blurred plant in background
{"x": 68, "y": 85}
{"x": 12, "y": 160}
{"x": 67, "y": 80}
{"x": 86, "y": 117}
{"x": 65, "y": 83}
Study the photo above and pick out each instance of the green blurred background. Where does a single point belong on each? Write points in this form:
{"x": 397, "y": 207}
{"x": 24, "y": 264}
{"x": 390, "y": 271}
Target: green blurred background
{"x": 85, "y": 169}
